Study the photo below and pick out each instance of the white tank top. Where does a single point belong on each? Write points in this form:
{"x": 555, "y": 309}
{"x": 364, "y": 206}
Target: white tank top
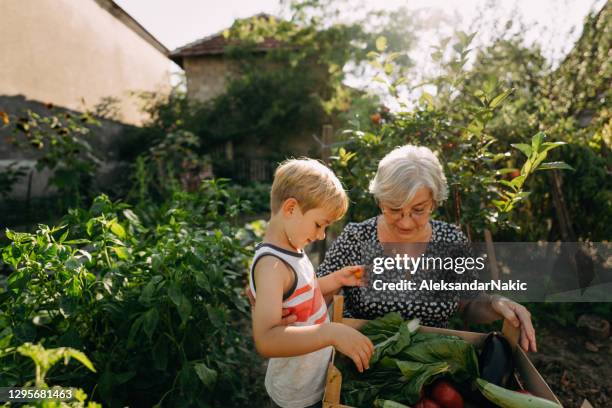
{"x": 297, "y": 382}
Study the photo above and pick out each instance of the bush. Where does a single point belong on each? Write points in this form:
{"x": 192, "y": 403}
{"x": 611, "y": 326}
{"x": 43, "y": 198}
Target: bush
{"x": 153, "y": 296}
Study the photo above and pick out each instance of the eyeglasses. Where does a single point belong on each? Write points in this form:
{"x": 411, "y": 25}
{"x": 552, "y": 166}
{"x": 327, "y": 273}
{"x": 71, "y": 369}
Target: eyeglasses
{"x": 417, "y": 214}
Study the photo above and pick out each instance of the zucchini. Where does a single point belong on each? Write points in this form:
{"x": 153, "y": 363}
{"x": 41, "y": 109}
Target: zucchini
{"x": 380, "y": 403}
{"x": 511, "y": 399}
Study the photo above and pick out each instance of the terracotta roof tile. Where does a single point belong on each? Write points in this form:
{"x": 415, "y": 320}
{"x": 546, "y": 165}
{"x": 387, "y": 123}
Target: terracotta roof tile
{"x": 215, "y": 45}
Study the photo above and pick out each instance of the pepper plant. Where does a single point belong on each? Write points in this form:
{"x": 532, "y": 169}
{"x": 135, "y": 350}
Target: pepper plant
{"x": 152, "y": 294}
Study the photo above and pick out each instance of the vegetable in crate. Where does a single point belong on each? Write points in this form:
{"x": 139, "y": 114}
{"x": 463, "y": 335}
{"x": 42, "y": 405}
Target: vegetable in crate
{"x": 388, "y": 404}
{"x": 426, "y": 403}
{"x": 505, "y": 398}
{"x": 496, "y": 364}
{"x": 446, "y": 395}
{"x": 404, "y": 361}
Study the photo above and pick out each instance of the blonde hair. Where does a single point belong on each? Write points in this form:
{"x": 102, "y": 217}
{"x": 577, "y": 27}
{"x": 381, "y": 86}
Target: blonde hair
{"x": 311, "y": 183}
{"x": 405, "y": 170}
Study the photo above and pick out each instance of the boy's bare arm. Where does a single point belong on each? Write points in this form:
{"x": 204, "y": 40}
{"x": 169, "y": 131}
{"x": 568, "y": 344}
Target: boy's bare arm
{"x": 274, "y": 340}
{"x": 271, "y": 338}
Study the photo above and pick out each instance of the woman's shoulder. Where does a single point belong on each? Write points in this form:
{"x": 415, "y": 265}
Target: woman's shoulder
{"x": 446, "y": 232}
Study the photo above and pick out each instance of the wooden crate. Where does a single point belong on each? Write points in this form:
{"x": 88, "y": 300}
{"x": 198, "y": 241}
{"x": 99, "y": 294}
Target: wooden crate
{"x": 532, "y": 381}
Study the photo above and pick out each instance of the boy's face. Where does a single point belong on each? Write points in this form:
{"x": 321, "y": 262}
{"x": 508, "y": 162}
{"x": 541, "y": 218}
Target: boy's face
{"x": 305, "y": 228}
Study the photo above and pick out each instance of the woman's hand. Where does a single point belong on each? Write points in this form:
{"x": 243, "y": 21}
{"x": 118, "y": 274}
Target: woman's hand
{"x": 349, "y": 276}
{"x": 518, "y": 316}
{"x": 287, "y": 316}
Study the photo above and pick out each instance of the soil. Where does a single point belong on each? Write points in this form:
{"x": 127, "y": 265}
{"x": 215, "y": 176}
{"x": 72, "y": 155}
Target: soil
{"x": 575, "y": 366}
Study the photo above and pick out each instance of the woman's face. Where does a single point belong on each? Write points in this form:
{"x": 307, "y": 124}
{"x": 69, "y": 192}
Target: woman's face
{"x": 411, "y": 221}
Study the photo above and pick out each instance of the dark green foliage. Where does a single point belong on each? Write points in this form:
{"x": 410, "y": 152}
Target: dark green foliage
{"x": 9, "y": 176}
{"x": 152, "y": 296}
{"x": 67, "y": 153}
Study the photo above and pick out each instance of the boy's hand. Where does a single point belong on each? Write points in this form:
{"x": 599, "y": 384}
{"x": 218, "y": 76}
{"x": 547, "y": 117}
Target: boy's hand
{"x": 288, "y": 317}
{"x": 353, "y": 344}
{"x": 350, "y": 275}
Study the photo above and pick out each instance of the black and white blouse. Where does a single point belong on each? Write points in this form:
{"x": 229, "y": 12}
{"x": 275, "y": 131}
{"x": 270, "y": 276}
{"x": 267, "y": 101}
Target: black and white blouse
{"x": 348, "y": 249}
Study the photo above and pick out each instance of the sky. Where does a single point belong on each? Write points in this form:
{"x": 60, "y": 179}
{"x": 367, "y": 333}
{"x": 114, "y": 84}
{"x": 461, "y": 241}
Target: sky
{"x": 554, "y": 24}
{"x": 178, "y": 22}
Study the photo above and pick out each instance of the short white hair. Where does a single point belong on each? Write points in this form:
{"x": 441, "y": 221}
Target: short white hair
{"x": 404, "y": 171}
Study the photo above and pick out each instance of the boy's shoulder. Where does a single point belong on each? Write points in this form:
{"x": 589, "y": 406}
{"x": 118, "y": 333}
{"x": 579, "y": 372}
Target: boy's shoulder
{"x": 272, "y": 264}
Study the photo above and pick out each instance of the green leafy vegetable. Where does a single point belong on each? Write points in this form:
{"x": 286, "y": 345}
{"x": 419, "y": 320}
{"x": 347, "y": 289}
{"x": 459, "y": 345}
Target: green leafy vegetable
{"x": 404, "y": 361}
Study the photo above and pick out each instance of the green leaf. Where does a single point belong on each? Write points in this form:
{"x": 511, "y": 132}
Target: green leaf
{"x": 121, "y": 252}
{"x": 122, "y": 378}
{"x": 427, "y": 99}
{"x": 147, "y": 293}
{"x": 184, "y": 309}
{"x": 500, "y": 98}
{"x": 207, "y": 375}
{"x": 476, "y": 127}
{"x": 160, "y": 353}
{"x": 545, "y": 147}
{"x": 136, "y": 326}
{"x": 523, "y": 148}
{"x": 130, "y": 215}
{"x": 78, "y": 241}
{"x": 149, "y": 322}
{"x": 417, "y": 375}
{"x": 381, "y": 44}
{"x": 388, "y": 68}
{"x": 400, "y": 81}
{"x": 117, "y": 229}
{"x": 90, "y": 226}
{"x": 380, "y": 79}
{"x": 518, "y": 181}
{"x": 174, "y": 292}
{"x": 537, "y": 140}
{"x": 554, "y": 166}
{"x": 507, "y": 184}
{"x": 376, "y": 64}
{"x": 79, "y": 356}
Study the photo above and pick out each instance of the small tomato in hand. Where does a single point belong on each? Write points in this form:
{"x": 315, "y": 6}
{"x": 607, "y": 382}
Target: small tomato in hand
{"x": 446, "y": 395}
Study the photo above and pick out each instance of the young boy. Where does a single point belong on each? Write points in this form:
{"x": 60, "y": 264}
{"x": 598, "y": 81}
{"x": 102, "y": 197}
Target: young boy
{"x": 306, "y": 197}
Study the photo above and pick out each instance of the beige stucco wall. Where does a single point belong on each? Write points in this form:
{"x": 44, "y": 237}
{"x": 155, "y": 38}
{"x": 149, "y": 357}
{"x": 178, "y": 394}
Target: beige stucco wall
{"x": 207, "y": 76}
{"x": 74, "y": 53}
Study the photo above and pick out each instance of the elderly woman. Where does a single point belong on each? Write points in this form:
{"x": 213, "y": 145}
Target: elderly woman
{"x": 408, "y": 186}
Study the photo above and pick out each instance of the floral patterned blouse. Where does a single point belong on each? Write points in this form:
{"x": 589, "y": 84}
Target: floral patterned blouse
{"x": 348, "y": 249}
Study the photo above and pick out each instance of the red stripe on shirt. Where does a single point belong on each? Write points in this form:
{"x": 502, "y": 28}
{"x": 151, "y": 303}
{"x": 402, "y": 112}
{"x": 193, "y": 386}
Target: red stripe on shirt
{"x": 298, "y": 292}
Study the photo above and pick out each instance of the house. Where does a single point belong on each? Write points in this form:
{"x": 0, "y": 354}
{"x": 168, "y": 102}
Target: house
{"x": 209, "y": 67}
{"x": 78, "y": 56}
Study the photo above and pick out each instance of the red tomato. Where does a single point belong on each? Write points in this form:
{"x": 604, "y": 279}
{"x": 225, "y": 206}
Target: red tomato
{"x": 515, "y": 174}
{"x": 375, "y": 118}
{"x": 446, "y": 395}
{"x": 426, "y": 403}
